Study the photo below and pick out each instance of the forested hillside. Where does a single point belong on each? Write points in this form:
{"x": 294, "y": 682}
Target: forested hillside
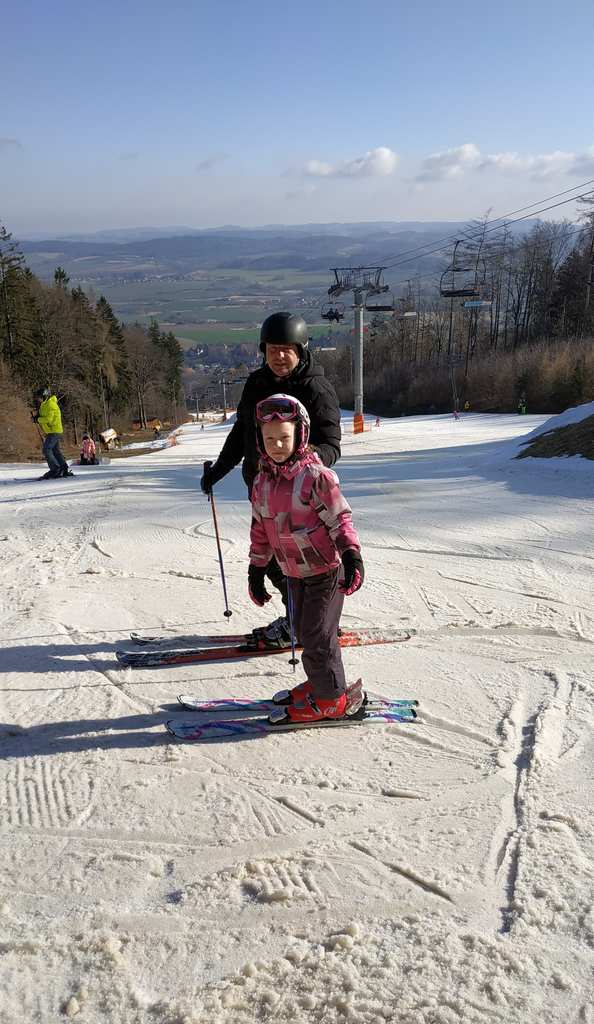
{"x": 104, "y": 373}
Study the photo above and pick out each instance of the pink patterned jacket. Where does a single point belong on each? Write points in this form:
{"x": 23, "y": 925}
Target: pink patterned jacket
{"x": 88, "y": 449}
{"x": 300, "y": 517}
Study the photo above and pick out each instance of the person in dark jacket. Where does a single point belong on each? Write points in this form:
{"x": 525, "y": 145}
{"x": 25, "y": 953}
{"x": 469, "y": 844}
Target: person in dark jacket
{"x": 288, "y": 367}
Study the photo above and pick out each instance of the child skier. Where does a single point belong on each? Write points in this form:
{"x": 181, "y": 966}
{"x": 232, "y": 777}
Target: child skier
{"x": 300, "y": 516}
{"x": 88, "y": 451}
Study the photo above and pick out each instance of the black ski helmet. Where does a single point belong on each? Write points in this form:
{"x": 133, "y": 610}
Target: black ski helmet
{"x": 284, "y": 329}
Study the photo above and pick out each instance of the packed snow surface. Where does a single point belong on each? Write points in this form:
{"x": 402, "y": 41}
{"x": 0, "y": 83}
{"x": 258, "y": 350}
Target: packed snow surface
{"x": 433, "y": 873}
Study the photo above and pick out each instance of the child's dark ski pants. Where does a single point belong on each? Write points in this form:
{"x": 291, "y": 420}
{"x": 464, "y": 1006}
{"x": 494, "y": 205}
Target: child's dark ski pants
{"x": 317, "y": 607}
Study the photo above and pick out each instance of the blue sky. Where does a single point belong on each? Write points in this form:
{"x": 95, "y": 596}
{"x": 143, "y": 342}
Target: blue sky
{"x": 208, "y": 113}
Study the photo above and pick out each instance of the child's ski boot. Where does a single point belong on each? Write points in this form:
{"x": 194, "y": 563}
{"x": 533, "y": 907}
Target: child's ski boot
{"x": 299, "y": 705}
{"x": 308, "y": 710}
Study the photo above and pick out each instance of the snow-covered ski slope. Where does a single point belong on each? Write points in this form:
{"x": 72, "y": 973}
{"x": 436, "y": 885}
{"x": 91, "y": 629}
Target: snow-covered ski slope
{"x": 432, "y": 873}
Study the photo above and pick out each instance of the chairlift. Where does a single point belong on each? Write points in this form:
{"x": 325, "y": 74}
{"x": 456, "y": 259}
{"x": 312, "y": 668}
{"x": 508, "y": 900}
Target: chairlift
{"x": 374, "y": 307}
{"x": 333, "y": 311}
{"x": 464, "y": 278}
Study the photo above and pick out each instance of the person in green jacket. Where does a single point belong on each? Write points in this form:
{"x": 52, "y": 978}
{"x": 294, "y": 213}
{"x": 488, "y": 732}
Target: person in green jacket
{"x": 49, "y": 419}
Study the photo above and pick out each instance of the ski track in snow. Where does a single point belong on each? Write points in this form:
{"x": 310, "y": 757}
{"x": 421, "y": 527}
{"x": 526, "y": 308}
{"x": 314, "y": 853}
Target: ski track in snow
{"x": 429, "y": 873}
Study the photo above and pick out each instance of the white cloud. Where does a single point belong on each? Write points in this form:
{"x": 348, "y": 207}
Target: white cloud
{"x": 538, "y": 167}
{"x": 451, "y": 163}
{"x": 458, "y": 161}
{"x": 318, "y": 169}
{"x": 376, "y": 163}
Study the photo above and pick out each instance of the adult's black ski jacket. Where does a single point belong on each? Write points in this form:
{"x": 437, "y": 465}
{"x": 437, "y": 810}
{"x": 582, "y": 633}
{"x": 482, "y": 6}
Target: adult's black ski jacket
{"x": 307, "y": 383}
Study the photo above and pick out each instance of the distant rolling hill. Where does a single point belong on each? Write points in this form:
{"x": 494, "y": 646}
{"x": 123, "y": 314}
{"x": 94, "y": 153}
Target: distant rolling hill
{"x": 322, "y": 246}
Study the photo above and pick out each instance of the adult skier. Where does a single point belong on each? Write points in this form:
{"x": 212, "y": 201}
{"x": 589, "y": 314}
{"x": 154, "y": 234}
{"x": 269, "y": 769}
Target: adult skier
{"x": 49, "y": 419}
{"x": 288, "y": 367}
{"x": 300, "y": 516}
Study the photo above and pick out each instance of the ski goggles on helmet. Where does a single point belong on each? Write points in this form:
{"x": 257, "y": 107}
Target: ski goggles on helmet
{"x": 280, "y": 408}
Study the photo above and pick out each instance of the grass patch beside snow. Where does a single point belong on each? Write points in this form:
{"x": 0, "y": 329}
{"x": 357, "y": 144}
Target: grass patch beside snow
{"x": 575, "y": 439}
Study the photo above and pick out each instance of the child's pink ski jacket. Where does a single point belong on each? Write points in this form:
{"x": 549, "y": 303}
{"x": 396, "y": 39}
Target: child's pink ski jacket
{"x": 88, "y": 449}
{"x": 300, "y": 516}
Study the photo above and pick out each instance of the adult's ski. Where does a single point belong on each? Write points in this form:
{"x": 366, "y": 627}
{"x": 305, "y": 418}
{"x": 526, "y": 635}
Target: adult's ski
{"x": 234, "y": 728}
{"x": 192, "y": 639}
{"x": 230, "y": 639}
{"x": 256, "y": 647}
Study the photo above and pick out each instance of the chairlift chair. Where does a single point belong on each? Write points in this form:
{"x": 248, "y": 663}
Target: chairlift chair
{"x": 459, "y": 282}
{"x": 333, "y": 311}
{"x": 464, "y": 278}
{"x": 383, "y": 307}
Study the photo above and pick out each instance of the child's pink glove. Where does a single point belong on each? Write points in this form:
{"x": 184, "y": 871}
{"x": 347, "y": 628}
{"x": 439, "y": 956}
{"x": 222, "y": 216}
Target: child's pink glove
{"x": 256, "y": 588}
{"x": 354, "y": 572}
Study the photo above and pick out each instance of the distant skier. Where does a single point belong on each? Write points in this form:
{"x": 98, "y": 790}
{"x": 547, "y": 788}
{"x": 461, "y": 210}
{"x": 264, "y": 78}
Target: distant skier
{"x": 522, "y": 406}
{"x": 49, "y": 419}
{"x": 88, "y": 451}
{"x": 289, "y": 367}
{"x": 300, "y": 516}
{"x": 377, "y": 421}
{"x": 466, "y": 406}
{"x": 456, "y": 414}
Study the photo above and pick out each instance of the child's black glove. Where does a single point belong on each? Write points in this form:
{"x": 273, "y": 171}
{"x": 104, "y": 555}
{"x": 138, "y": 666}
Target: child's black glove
{"x": 256, "y": 588}
{"x": 354, "y": 572}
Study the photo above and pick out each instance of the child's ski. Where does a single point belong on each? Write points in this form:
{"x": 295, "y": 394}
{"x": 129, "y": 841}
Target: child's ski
{"x": 238, "y": 728}
{"x": 255, "y": 648}
{"x": 264, "y": 706}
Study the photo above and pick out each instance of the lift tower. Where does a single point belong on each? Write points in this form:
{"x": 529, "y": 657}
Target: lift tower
{"x": 362, "y": 282}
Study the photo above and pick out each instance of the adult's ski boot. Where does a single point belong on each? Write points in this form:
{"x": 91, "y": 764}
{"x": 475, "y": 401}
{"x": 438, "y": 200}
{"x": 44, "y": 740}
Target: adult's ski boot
{"x": 277, "y": 634}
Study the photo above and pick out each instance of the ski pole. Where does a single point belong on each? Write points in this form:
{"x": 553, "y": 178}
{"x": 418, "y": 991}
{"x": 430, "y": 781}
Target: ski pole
{"x": 226, "y": 613}
{"x": 293, "y": 660}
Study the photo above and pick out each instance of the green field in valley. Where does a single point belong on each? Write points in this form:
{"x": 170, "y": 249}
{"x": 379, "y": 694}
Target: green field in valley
{"x": 230, "y": 296}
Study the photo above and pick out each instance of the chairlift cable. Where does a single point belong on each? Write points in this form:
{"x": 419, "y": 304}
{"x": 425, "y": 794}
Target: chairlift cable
{"x": 490, "y": 256}
{"x": 493, "y": 227}
{"x": 452, "y": 238}
{"x": 448, "y": 240}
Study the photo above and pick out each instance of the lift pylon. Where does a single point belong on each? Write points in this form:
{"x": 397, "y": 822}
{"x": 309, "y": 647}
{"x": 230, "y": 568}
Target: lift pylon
{"x": 363, "y": 282}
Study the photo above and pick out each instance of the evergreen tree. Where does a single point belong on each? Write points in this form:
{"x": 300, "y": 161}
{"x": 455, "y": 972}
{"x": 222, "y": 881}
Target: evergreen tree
{"x": 113, "y": 360}
{"x": 13, "y": 299}
{"x": 61, "y": 278}
{"x": 172, "y": 361}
